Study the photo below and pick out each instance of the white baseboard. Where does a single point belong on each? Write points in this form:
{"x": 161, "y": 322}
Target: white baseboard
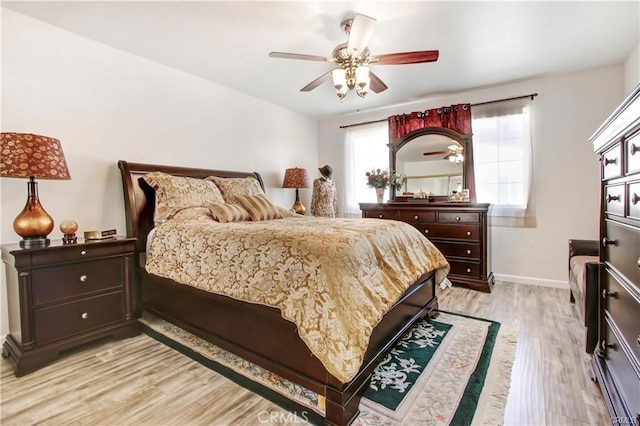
{"x": 532, "y": 281}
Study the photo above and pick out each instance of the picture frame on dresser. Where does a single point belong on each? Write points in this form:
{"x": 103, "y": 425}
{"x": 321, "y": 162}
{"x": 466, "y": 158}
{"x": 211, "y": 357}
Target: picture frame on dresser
{"x": 616, "y": 362}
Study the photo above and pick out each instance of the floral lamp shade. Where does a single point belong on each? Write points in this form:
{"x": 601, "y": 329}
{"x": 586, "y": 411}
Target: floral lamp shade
{"x": 25, "y": 155}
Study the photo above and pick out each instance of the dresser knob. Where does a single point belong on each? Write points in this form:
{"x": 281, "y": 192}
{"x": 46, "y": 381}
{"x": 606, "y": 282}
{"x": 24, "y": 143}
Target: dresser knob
{"x": 604, "y": 345}
{"x": 468, "y": 251}
{"x": 468, "y": 270}
{"x": 83, "y": 278}
{"x": 457, "y": 218}
{"x": 611, "y": 198}
{"x": 380, "y": 216}
{"x": 426, "y": 231}
{"x": 83, "y": 252}
{"x": 85, "y": 315}
{"x": 635, "y": 198}
{"x": 638, "y": 340}
{"x": 416, "y": 217}
{"x": 608, "y": 161}
{"x": 608, "y": 242}
{"x": 606, "y": 293}
{"x": 638, "y": 262}
{"x": 469, "y": 233}
{"x": 633, "y": 148}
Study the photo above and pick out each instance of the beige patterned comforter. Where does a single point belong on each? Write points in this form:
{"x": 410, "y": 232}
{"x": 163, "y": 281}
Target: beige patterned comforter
{"x": 334, "y": 278}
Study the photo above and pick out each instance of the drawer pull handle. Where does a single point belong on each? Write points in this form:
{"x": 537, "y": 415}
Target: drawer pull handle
{"x": 608, "y": 161}
{"x": 608, "y": 242}
{"x": 457, "y": 218}
{"x": 604, "y": 345}
{"x": 468, "y": 251}
{"x": 633, "y": 148}
{"x": 468, "y": 270}
{"x": 611, "y": 198}
{"x": 606, "y": 293}
{"x": 416, "y": 217}
{"x": 638, "y": 340}
{"x": 426, "y": 231}
{"x": 380, "y": 216}
{"x": 83, "y": 252}
{"x": 469, "y": 233}
{"x": 84, "y": 315}
{"x": 635, "y": 198}
{"x": 83, "y": 278}
{"x": 638, "y": 262}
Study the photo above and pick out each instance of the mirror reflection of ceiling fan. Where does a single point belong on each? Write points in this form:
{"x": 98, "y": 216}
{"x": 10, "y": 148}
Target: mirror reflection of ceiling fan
{"x": 454, "y": 154}
{"x": 353, "y": 57}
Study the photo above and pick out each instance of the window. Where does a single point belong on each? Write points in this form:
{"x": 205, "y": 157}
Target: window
{"x": 366, "y": 147}
{"x": 502, "y": 157}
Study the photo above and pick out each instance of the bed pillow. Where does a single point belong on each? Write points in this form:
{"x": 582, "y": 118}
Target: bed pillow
{"x": 259, "y": 207}
{"x": 175, "y": 193}
{"x": 228, "y": 212}
{"x": 233, "y": 187}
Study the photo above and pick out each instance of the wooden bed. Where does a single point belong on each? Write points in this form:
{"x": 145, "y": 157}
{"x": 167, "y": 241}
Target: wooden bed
{"x": 257, "y": 333}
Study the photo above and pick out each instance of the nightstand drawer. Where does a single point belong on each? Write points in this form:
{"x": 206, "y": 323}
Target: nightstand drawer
{"x": 458, "y": 232}
{"x": 80, "y": 252}
{"x": 458, "y": 217}
{"x": 75, "y": 279}
{"x": 468, "y": 269}
{"x": 67, "y": 319}
{"x": 381, "y": 214}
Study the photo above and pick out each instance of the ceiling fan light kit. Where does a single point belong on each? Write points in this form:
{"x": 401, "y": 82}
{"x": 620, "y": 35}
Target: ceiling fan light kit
{"x": 353, "y": 57}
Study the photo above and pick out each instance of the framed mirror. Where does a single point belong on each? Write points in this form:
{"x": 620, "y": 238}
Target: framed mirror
{"x": 432, "y": 159}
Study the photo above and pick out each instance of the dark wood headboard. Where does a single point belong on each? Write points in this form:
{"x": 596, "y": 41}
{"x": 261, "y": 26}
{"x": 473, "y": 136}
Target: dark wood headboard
{"x": 139, "y": 198}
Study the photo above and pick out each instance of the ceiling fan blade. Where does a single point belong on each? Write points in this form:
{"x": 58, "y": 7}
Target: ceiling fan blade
{"x": 317, "y": 82}
{"x": 436, "y": 153}
{"x": 300, "y": 56}
{"x": 405, "y": 58}
{"x": 360, "y": 33}
{"x": 375, "y": 84}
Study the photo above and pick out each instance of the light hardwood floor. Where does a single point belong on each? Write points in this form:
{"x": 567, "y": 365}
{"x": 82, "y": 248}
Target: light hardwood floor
{"x": 140, "y": 381}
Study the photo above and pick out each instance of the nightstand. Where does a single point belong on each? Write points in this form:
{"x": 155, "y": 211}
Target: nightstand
{"x": 65, "y": 295}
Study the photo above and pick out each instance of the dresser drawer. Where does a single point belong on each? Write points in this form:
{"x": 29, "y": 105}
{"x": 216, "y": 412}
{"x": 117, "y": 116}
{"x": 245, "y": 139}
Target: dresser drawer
{"x": 465, "y": 250}
{"x": 467, "y": 269}
{"x": 75, "y": 279}
{"x": 632, "y": 148}
{"x": 612, "y": 162}
{"x": 417, "y": 216}
{"x": 73, "y": 253}
{"x": 624, "y": 310}
{"x": 68, "y": 319}
{"x": 458, "y": 217}
{"x": 455, "y": 232}
{"x": 614, "y": 199}
{"x": 624, "y": 251}
{"x": 381, "y": 214}
{"x": 633, "y": 200}
{"x": 622, "y": 370}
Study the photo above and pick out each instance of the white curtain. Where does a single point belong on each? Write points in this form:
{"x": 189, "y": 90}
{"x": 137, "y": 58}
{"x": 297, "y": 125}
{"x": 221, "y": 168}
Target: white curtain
{"x": 366, "y": 148}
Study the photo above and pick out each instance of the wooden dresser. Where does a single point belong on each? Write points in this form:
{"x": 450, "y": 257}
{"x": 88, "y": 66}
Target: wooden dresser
{"x": 62, "y": 296}
{"x": 616, "y": 362}
{"x": 459, "y": 230}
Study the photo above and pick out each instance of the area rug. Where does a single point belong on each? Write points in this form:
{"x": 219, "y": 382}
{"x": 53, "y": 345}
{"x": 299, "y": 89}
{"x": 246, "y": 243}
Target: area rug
{"x": 452, "y": 370}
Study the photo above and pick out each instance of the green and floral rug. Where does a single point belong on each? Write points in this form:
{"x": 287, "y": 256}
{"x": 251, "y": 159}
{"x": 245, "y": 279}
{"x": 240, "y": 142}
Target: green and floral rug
{"x": 452, "y": 370}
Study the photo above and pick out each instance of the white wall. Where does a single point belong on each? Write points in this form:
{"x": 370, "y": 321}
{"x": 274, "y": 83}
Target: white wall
{"x": 632, "y": 71}
{"x": 567, "y": 111}
{"x": 105, "y": 105}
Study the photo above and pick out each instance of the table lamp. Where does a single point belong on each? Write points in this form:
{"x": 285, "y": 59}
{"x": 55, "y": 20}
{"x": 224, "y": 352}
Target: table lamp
{"x": 296, "y": 178}
{"x": 25, "y": 155}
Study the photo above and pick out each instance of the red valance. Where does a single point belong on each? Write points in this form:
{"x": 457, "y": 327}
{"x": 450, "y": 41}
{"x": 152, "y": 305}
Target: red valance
{"x": 454, "y": 117}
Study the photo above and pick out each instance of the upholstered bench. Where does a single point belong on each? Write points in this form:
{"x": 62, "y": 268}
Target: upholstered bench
{"x": 583, "y": 283}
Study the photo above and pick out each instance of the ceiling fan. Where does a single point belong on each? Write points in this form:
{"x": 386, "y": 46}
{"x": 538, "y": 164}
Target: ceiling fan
{"x": 454, "y": 154}
{"x": 353, "y": 57}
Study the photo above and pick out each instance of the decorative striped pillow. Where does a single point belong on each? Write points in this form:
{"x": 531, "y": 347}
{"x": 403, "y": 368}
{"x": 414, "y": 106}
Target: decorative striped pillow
{"x": 259, "y": 207}
{"x": 228, "y": 212}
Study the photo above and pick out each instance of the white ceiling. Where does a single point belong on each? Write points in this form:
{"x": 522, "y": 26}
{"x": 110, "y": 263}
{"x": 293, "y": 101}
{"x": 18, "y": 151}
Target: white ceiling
{"x": 481, "y": 43}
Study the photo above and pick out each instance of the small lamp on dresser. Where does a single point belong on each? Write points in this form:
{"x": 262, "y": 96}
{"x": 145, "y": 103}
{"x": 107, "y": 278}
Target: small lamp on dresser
{"x": 25, "y": 155}
{"x": 296, "y": 178}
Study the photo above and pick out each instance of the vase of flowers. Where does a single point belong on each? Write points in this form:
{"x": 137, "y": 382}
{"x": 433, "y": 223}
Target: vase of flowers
{"x": 382, "y": 179}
